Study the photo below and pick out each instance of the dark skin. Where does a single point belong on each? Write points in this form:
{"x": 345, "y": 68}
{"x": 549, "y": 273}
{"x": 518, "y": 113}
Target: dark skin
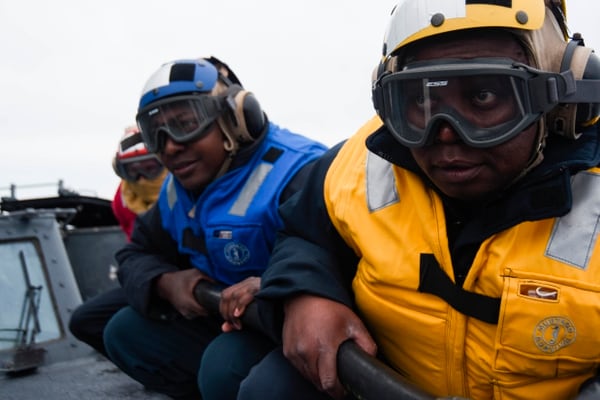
{"x": 314, "y": 327}
{"x": 195, "y": 165}
{"x": 460, "y": 171}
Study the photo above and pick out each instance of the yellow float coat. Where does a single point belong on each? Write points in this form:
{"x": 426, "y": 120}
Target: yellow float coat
{"x": 546, "y": 272}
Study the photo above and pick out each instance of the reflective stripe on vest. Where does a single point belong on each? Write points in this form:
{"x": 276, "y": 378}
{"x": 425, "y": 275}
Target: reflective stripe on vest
{"x": 171, "y": 192}
{"x": 574, "y": 235}
{"x": 256, "y": 179}
{"x": 251, "y": 187}
{"x": 571, "y": 242}
{"x": 381, "y": 183}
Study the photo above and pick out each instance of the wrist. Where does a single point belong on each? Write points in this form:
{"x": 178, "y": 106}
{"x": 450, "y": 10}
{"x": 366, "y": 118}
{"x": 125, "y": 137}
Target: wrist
{"x": 162, "y": 284}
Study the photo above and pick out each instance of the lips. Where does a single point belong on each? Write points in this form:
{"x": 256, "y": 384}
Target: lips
{"x": 182, "y": 167}
{"x": 457, "y": 171}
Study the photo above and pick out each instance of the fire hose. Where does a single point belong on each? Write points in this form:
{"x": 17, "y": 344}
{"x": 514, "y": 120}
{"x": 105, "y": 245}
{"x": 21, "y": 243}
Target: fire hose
{"x": 363, "y": 375}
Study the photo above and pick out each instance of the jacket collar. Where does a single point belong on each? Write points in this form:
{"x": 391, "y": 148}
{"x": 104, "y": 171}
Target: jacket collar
{"x": 544, "y": 192}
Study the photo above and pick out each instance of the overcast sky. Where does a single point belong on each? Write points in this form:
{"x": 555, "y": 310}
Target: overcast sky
{"x": 71, "y": 72}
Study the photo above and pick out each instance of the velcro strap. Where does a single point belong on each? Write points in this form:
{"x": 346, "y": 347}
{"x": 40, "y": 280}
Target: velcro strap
{"x": 434, "y": 280}
{"x": 272, "y": 154}
{"x": 193, "y": 242}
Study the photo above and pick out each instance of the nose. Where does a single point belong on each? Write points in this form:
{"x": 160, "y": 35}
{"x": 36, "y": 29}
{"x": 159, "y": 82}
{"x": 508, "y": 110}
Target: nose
{"x": 446, "y": 134}
{"x": 170, "y": 146}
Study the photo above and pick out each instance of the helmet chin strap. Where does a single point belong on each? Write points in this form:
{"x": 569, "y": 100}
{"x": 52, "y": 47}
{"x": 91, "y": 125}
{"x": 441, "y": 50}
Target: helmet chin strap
{"x": 231, "y": 147}
{"x": 230, "y": 144}
{"x": 537, "y": 155}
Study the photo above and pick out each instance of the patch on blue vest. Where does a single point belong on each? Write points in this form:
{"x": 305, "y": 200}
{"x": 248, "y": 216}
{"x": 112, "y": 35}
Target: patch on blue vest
{"x": 236, "y": 253}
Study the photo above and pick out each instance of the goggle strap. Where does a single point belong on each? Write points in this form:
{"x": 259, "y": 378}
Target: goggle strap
{"x": 588, "y": 91}
{"x": 131, "y": 141}
{"x": 214, "y": 106}
{"x": 546, "y": 90}
{"x": 562, "y": 88}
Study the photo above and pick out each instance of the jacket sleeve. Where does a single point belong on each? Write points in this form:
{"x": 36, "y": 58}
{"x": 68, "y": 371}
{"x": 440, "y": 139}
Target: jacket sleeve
{"x": 151, "y": 253}
{"x": 124, "y": 215}
{"x": 309, "y": 256}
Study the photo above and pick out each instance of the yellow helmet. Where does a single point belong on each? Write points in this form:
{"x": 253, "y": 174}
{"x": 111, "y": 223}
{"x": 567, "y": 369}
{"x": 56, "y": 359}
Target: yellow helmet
{"x": 540, "y": 25}
{"x": 414, "y": 20}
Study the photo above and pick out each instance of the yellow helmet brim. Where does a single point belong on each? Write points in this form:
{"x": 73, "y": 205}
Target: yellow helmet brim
{"x": 412, "y": 21}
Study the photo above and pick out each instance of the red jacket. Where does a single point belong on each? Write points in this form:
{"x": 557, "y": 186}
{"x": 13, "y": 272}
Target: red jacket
{"x": 124, "y": 215}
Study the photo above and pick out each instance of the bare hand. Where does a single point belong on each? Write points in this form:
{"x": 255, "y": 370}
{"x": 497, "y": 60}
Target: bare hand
{"x": 313, "y": 330}
{"x": 178, "y": 289}
{"x": 234, "y": 301}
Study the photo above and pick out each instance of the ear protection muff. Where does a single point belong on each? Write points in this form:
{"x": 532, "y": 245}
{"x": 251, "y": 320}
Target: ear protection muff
{"x": 244, "y": 120}
{"x": 383, "y": 68}
{"x": 114, "y": 165}
{"x": 375, "y": 90}
{"x": 570, "y": 119}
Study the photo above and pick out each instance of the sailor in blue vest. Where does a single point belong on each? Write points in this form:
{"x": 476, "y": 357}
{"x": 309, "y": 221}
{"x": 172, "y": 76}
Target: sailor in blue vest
{"x": 216, "y": 219}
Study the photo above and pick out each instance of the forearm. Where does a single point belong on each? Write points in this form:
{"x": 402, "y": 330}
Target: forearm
{"x": 150, "y": 254}
{"x": 300, "y": 267}
{"x": 309, "y": 256}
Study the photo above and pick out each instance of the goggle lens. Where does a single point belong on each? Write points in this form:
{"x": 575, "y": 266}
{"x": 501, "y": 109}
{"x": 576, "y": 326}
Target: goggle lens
{"x": 132, "y": 170}
{"x": 486, "y": 104}
{"x": 182, "y": 118}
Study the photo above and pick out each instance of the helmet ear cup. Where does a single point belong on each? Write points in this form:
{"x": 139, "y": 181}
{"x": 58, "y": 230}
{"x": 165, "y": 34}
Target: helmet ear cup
{"x": 114, "y": 166}
{"x": 245, "y": 119}
{"x": 570, "y": 119}
{"x": 376, "y": 91}
{"x": 253, "y": 115}
{"x": 588, "y": 113}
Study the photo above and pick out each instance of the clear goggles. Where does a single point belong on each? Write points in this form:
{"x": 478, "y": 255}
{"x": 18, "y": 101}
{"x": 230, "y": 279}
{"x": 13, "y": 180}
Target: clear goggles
{"x": 182, "y": 118}
{"x": 147, "y": 166}
{"x": 486, "y": 101}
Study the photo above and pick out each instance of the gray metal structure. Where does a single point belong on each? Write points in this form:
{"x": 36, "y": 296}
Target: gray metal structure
{"x": 55, "y": 253}
{"x": 37, "y": 233}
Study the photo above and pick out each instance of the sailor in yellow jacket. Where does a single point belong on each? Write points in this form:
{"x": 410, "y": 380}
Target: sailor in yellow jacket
{"x": 454, "y": 235}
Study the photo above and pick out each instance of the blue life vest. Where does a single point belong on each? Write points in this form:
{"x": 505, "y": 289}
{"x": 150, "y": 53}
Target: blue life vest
{"x": 229, "y": 231}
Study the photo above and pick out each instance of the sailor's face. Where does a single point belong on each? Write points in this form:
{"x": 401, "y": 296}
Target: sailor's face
{"x": 194, "y": 163}
{"x": 461, "y": 171}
